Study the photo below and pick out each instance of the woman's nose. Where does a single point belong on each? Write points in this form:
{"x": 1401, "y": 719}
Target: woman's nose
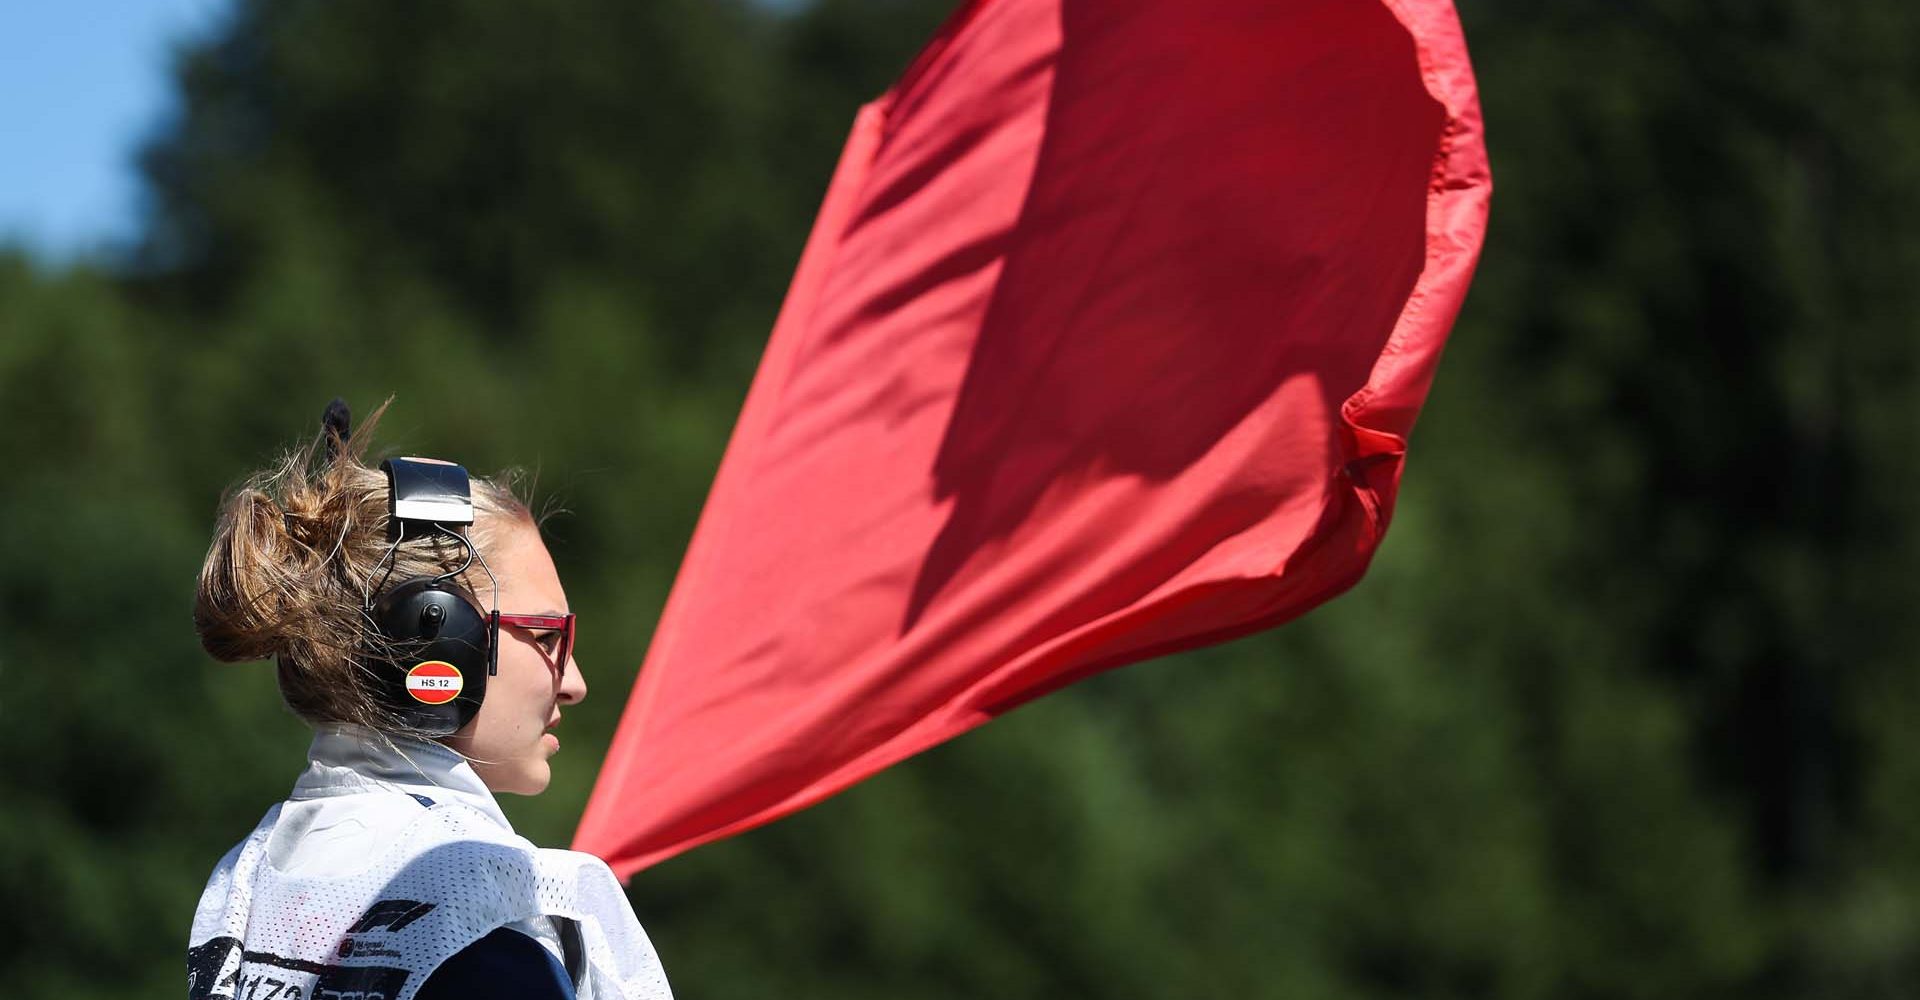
{"x": 573, "y": 684}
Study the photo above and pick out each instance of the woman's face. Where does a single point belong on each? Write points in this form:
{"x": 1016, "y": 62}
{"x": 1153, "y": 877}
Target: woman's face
{"x": 508, "y": 740}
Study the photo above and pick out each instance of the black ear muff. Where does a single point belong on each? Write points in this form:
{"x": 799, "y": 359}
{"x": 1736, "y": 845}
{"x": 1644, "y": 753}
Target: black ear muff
{"x": 433, "y": 671}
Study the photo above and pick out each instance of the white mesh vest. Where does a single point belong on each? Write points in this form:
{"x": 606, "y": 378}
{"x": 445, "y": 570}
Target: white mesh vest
{"x": 384, "y": 863}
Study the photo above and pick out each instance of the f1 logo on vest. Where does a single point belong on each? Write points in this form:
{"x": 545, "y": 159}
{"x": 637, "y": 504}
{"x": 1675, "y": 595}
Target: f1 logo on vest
{"x": 391, "y": 914}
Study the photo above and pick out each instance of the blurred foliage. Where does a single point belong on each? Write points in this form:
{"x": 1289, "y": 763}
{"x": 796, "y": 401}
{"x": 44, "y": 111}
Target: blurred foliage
{"x": 1626, "y": 707}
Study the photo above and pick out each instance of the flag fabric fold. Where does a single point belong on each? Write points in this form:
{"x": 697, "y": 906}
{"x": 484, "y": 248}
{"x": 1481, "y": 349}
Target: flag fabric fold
{"x": 1106, "y": 343}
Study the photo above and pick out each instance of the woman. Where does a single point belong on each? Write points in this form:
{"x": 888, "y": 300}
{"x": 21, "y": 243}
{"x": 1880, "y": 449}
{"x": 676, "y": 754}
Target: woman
{"x": 418, "y": 625}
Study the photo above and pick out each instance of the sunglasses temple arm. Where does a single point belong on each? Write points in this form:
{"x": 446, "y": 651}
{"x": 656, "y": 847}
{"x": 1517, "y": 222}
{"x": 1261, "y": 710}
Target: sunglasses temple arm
{"x": 493, "y": 643}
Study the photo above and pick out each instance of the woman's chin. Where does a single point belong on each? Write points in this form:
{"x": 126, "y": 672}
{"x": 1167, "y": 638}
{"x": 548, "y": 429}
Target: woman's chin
{"x": 522, "y": 778}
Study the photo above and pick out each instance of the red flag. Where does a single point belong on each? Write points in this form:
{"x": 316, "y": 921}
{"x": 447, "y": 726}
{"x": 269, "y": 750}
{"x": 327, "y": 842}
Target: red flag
{"x": 1106, "y": 344}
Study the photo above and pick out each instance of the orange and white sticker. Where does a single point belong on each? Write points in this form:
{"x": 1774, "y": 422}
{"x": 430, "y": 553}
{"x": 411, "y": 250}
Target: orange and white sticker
{"x": 435, "y": 682}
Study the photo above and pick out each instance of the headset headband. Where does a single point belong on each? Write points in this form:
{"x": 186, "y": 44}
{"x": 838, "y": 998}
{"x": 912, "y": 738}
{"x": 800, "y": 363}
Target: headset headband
{"x": 428, "y": 491}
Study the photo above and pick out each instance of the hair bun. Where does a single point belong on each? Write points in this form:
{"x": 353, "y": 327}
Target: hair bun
{"x": 247, "y": 587}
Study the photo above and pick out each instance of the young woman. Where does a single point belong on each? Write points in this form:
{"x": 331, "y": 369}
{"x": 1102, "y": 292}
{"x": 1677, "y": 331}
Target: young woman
{"x": 418, "y": 625}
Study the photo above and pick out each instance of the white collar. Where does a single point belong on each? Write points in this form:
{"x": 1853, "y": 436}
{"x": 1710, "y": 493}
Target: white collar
{"x": 347, "y": 759}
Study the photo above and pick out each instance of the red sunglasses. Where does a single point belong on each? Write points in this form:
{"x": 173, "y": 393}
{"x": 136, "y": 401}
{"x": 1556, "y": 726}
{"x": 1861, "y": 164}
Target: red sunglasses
{"x": 560, "y": 624}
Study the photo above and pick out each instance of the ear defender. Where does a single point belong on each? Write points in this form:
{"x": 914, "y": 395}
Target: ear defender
{"x": 437, "y": 646}
{"x": 440, "y": 653}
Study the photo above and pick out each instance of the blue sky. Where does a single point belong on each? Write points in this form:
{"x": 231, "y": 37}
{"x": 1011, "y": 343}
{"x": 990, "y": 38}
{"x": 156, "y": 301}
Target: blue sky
{"x": 81, "y": 82}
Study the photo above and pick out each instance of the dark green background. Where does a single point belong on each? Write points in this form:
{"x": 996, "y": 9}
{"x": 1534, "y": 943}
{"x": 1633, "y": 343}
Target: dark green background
{"x": 1626, "y": 708}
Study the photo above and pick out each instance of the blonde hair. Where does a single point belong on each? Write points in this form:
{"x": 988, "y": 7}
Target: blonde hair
{"x": 296, "y": 555}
